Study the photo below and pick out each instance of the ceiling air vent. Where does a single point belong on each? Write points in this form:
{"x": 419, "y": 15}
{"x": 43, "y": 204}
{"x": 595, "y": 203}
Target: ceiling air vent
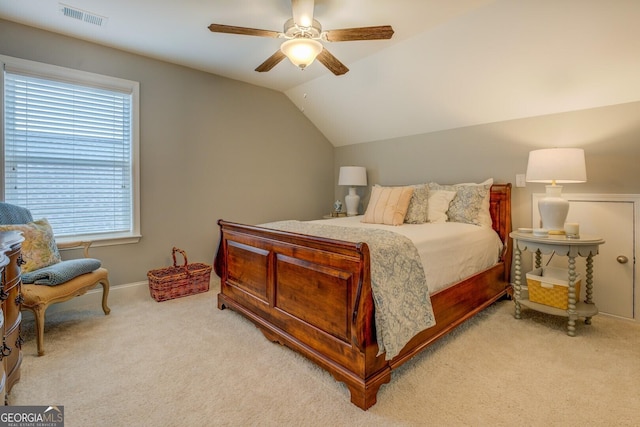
{"x": 82, "y": 15}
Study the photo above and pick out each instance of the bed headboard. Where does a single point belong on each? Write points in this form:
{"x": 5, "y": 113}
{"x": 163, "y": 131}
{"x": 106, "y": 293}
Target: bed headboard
{"x": 500, "y": 208}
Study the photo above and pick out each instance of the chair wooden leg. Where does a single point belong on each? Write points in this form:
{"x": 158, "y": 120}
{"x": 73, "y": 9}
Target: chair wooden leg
{"x": 38, "y": 313}
{"x": 105, "y": 296}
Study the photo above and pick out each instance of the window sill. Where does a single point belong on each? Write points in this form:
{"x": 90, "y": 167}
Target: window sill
{"x": 102, "y": 240}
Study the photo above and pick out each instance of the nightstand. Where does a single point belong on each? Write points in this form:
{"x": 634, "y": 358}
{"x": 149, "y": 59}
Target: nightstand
{"x": 585, "y": 246}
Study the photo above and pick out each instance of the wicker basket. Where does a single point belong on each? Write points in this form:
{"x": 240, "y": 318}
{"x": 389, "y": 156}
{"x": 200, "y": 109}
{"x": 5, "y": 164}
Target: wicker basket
{"x": 175, "y": 282}
{"x": 549, "y": 286}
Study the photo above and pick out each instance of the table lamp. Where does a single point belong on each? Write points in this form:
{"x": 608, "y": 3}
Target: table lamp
{"x": 352, "y": 176}
{"x": 555, "y": 166}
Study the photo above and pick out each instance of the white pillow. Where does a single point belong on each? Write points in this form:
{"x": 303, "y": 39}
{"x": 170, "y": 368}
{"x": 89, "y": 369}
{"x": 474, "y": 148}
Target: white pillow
{"x": 439, "y": 205}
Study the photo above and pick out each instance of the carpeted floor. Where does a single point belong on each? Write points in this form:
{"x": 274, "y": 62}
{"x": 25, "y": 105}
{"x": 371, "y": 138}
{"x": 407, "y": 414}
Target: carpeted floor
{"x": 186, "y": 363}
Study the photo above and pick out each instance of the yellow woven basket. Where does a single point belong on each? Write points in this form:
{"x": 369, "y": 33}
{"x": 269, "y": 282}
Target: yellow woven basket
{"x": 550, "y": 286}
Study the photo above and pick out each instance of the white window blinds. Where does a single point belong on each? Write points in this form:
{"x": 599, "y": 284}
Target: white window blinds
{"x": 68, "y": 153}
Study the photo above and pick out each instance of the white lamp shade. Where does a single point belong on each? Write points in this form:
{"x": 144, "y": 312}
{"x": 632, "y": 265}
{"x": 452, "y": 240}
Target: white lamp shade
{"x": 353, "y": 176}
{"x": 557, "y": 165}
{"x": 301, "y": 51}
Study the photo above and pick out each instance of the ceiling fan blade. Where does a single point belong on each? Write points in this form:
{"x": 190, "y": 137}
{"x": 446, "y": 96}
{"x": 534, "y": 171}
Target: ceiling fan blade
{"x": 363, "y": 33}
{"x": 271, "y": 62}
{"x": 332, "y": 63}
{"x": 302, "y": 12}
{"x": 229, "y": 29}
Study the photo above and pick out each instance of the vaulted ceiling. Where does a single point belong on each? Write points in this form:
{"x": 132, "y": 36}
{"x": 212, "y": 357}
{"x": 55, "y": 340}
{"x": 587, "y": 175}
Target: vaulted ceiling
{"x": 449, "y": 64}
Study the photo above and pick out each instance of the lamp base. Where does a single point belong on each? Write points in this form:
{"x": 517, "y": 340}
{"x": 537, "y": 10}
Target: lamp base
{"x": 553, "y": 210}
{"x": 352, "y": 200}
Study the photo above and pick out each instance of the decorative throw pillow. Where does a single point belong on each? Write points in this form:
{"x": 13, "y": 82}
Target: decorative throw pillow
{"x": 484, "y": 214}
{"x": 439, "y": 201}
{"x": 388, "y": 205}
{"x": 417, "y": 210}
{"x": 39, "y": 247}
{"x": 466, "y": 204}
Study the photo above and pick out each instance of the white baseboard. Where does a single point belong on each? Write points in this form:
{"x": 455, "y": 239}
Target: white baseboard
{"x": 120, "y": 294}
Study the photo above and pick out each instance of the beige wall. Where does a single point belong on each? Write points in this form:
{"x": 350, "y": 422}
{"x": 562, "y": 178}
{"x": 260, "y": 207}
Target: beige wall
{"x": 610, "y": 137}
{"x": 210, "y": 148}
{"x": 217, "y": 148}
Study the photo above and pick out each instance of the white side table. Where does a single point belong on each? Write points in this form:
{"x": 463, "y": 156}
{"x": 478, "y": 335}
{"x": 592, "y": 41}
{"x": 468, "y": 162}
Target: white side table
{"x": 585, "y": 246}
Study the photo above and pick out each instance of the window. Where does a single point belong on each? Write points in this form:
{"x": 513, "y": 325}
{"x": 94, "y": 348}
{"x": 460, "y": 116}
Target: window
{"x": 70, "y": 147}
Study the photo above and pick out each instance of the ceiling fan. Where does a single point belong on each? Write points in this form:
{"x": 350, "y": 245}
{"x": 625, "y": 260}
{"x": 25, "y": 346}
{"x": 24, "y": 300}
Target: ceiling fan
{"x": 304, "y": 35}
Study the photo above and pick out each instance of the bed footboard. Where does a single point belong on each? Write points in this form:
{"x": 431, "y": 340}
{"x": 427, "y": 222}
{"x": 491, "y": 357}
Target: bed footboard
{"x": 309, "y": 293}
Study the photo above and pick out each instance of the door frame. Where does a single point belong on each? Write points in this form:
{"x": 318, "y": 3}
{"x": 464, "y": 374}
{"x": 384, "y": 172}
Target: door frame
{"x": 598, "y": 197}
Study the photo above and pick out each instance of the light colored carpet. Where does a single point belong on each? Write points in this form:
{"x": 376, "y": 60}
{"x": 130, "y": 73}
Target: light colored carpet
{"x": 186, "y": 363}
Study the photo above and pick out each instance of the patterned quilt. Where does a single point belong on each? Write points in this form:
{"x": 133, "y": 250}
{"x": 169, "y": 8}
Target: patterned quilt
{"x": 400, "y": 292}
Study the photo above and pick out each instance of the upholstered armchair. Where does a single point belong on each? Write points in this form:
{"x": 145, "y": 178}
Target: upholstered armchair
{"x": 48, "y": 279}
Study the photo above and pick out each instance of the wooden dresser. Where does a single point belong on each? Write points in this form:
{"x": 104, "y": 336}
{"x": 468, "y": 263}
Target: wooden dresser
{"x": 11, "y": 300}
{"x": 4, "y": 261}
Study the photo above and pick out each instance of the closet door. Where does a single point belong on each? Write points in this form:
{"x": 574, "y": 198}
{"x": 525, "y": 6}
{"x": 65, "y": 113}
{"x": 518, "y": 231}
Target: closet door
{"x": 613, "y": 218}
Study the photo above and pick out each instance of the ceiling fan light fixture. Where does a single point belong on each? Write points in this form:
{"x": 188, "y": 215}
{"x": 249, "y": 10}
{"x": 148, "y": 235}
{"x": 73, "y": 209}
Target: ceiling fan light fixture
{"x": 301, "y": 51}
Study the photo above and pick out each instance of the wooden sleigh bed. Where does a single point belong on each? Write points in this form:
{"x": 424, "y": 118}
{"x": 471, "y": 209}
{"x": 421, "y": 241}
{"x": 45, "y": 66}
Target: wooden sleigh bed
{"x": 314, "y": 295}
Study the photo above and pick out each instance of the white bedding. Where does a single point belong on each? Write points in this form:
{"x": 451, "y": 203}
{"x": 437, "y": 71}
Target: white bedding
{"x": 449, "y": 251}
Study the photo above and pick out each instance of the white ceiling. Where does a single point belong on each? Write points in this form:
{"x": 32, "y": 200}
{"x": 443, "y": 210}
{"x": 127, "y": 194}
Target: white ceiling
{"x": 449, "y": 64}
